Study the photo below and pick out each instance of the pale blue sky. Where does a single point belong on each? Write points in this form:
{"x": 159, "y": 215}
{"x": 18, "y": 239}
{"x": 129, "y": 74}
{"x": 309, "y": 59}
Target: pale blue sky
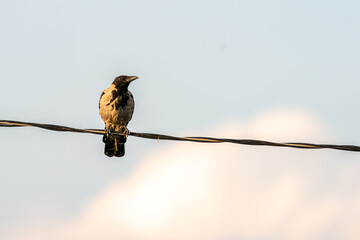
{"x": 200, "y": 63}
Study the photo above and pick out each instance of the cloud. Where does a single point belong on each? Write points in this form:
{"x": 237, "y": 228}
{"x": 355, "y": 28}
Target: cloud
{"x": 224, "y": 191}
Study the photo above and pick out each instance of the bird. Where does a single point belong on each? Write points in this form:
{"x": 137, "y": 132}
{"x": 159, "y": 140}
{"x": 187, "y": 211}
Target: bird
{"x": 116, "y": 107}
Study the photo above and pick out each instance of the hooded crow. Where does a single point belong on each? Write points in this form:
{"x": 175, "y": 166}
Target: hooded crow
{"x": 116, "y": 107}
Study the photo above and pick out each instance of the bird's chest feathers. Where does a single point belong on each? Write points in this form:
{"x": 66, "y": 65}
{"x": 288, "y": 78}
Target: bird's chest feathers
{"x": 116, "y": 107}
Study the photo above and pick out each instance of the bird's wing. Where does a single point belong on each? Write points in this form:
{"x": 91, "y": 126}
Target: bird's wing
{"x": 102, "y": 94}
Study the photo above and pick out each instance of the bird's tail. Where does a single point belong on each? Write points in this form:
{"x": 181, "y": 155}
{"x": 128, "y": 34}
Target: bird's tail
{"x": 114, "y": 145}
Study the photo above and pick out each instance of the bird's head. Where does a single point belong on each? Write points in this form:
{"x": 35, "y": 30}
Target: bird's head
{"x": 122, "y": 82}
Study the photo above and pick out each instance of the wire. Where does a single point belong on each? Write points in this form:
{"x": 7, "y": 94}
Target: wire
{"x": 52, "y": 127}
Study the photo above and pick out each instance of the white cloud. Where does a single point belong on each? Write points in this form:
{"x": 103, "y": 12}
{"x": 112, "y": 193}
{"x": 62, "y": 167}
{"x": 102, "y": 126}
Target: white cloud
{"x": 224, "y": 191}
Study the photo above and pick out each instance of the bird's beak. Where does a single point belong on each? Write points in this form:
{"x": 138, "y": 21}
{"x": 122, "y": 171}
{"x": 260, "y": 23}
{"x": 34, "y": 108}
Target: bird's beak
{"x": 131, "y": 78}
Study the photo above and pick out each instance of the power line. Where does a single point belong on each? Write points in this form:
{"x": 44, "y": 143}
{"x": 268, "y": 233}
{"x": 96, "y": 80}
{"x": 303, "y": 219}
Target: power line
{"x": 52, "y": 127}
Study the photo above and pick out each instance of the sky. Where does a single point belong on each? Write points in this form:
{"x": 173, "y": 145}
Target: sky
{"x": 270, "y": 70}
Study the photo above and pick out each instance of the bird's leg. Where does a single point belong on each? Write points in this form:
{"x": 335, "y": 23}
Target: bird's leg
{"x": 109, "y": 134}
{"x": 124, "y": 131}
{"x": 127, "y": 132}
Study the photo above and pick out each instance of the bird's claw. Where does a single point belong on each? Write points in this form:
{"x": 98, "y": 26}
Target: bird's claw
{"x": 124, "y": 131}
{"x": 109, "y": 134}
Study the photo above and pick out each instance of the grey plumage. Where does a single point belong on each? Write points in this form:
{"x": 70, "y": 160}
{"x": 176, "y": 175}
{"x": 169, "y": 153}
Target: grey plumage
{"x": 116, "y": 107}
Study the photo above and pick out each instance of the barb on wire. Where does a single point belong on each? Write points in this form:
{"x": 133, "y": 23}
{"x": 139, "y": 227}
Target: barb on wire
{"x": 9, "y": 123}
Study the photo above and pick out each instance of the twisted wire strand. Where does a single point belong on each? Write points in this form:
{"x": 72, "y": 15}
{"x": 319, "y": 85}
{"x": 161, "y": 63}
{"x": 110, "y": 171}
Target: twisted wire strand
{"x": 53, "y": 127}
